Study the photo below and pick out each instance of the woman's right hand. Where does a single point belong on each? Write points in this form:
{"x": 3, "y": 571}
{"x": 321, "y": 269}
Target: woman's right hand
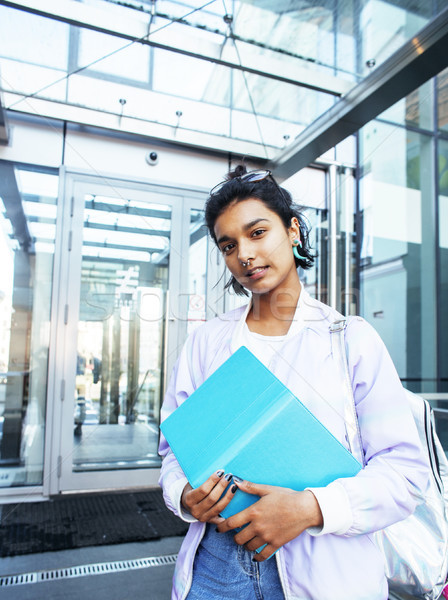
{"x": 205, "y": 502}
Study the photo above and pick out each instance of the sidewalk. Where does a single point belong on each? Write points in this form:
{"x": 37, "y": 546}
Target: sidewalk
{"x": 134, "y": 582}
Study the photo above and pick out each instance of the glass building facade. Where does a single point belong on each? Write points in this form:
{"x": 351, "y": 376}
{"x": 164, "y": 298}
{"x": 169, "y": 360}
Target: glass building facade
{"x": 401, "y": 197}
{"x": 106, "y": 265}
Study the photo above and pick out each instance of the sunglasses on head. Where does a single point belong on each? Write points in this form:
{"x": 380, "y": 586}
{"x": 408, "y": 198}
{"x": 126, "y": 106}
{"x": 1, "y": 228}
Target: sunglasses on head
{"x": 252, "y": 177}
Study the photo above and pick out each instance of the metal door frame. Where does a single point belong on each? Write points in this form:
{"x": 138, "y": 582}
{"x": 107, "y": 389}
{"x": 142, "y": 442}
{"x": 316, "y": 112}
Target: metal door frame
{"x": 58, "y": 474}
{"x": 340, "y": 192}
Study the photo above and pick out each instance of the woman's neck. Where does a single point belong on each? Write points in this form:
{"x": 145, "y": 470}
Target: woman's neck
{"x": 272, "y": 314}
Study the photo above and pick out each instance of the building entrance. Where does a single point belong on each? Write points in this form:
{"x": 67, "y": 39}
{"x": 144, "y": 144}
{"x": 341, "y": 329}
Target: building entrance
{"x": 132, "y": 282}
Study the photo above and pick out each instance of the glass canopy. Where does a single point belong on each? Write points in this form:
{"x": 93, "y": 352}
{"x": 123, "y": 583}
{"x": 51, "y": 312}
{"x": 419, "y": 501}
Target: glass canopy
{"x": 243, "y": 76}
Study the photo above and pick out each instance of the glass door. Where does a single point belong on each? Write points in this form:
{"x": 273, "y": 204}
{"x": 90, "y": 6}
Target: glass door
{"x": 120, "y": 326}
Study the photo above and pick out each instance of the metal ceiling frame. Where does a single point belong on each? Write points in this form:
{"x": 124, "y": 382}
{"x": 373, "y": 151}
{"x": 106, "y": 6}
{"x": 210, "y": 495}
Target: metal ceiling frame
{"x": 419, "y": 59}
{"x": 88, "y": 17}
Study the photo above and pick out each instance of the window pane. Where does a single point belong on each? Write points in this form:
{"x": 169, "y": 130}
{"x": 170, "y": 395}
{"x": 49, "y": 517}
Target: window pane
{"x": 443, "y": 254}
{"x": 27, "y": 79}
{"x": 397, "y": 253}
{"x": 189, "y": 75}
{"x": 30, "y": 38}
{"x": 27, "y": 232}
{"x": 386, "y": 26}
{"x": 279, "y": 100}
{"x": 123, "y": 59}
{"x": 442, "y": 97}
{"x": 120, "y": 342}
{"x": 416, "y": 109}
{"x": 197, "y": 270}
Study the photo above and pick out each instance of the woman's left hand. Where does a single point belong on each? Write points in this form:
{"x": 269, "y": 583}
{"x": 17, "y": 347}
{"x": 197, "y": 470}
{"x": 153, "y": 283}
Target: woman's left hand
{"x": 280, "y": 515}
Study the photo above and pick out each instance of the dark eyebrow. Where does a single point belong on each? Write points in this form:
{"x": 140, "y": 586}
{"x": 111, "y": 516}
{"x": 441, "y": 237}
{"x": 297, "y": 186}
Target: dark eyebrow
{"x": 226, "y": 238}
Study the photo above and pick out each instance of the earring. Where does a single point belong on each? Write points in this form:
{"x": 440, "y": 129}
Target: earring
{"x": 295, "y": 251}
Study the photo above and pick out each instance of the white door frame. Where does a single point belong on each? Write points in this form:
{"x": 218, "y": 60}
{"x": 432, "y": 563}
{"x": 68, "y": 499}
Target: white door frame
{"x": 58, "y": 474}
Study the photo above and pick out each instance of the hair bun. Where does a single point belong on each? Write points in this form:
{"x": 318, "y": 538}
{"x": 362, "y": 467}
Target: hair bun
{"x": 237, "y": 172}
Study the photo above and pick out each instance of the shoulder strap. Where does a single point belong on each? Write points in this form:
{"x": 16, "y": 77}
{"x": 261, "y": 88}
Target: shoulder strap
{"x": 339, "y": 352}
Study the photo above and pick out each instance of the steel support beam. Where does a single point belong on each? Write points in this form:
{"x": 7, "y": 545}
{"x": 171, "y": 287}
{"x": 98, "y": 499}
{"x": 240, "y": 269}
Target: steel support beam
{"x": 419, "y": 59}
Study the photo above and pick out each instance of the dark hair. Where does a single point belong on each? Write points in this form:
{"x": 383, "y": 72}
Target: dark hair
{"x": 277, "y": 199}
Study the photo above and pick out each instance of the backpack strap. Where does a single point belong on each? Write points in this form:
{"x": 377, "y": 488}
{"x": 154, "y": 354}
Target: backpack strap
{"x": 339, "y": 352}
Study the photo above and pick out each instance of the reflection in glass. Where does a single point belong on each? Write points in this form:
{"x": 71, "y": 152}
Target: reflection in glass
{"x": 121, "y": 328}
{"x": 46, "y": 39}
{"x": 124, "y": 59}
{"x": 397, "y": 248}
{"x": 330, "y": 46}
{"x": 441, "y": 422}
{"x": 443, "y": 261}
{"x": 308, "y": 191}
{"x": 415, "y": 110}
{"x": 315, "y": 280}
{"x": 442, "y": 100}
{"x": 386, "y": 26}
{"x": 27, "y": 230}
{"x": 197, "y": 271}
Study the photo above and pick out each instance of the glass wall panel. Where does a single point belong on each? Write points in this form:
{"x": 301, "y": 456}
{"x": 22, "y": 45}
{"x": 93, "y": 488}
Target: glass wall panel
{"x": 197, "y": 270}
{"x": 442, "y": 100}
{"x": 397, "y": 277}
{"x": 192, "y": 75}
{"x": 386, "y": 26}
{"x": 33, "y": 54}
{"x": 443, "y": 258}
{"x": 309, "y": 191}
{"x": 267, "y": 97}
{"x": 416, "y": 109}
{"x": 27, "y": 234}
{"x": 113, "y": 56}
{"x": 25, "y": 79}
{"x": 121, "y": 333}
{"x": 313, "y": 42}
{"x": 29, "y": 38}
{"x": 315, "y": 280}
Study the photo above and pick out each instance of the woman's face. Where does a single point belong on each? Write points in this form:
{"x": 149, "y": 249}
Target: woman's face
{"x": 249, "y": 230}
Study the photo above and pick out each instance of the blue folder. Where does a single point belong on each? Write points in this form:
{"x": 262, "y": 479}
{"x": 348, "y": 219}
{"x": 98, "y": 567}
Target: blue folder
{"x": 244, "y": 420}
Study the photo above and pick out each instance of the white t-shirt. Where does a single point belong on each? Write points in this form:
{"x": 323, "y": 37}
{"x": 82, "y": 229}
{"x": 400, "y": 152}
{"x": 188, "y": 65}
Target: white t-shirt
{"x": 264, "y": 347}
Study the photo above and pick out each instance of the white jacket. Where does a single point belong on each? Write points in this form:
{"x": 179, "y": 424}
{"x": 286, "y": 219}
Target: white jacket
{"x": 340, "y": 561}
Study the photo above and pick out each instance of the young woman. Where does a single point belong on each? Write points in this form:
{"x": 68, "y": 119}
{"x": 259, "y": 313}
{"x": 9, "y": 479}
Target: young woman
{"x": 323, "y": 535}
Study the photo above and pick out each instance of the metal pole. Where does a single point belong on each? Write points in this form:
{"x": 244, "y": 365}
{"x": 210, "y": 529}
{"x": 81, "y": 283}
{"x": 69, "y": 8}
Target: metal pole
{"x": 332, "y": 236}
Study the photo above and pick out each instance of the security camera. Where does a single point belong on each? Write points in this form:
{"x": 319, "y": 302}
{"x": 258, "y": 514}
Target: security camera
{"x": 152, "y": 158}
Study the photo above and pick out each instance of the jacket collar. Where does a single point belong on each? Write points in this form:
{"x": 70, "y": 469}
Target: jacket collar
{"x": 309, "y": 314}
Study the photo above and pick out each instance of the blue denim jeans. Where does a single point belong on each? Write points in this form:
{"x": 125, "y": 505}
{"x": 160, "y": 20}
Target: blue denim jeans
{"x": 225, "y": 571}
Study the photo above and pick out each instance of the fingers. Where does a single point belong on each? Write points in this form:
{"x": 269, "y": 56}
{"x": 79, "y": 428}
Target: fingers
{"x": 195, "y": 495}
{"x": 254, "y": 544}
{"x": 267, "y": 552}
{"x": 258, "y": 489}
{"x": 261, "y": 548}
{"x": 257, "y": 544}
{"x": 214, "y": 495}
{"x": 212, "y": 515}
{"x": 208, "y": 500}
{"x": 204, "y": 490}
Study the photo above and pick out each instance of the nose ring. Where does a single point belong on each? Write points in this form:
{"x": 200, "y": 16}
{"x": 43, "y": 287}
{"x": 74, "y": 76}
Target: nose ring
{"x": 247, "y": 263}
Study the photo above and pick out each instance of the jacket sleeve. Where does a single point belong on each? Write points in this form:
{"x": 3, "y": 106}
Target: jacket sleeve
{"x": 390, "y": 486}
{"x": 185, "y": 378}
